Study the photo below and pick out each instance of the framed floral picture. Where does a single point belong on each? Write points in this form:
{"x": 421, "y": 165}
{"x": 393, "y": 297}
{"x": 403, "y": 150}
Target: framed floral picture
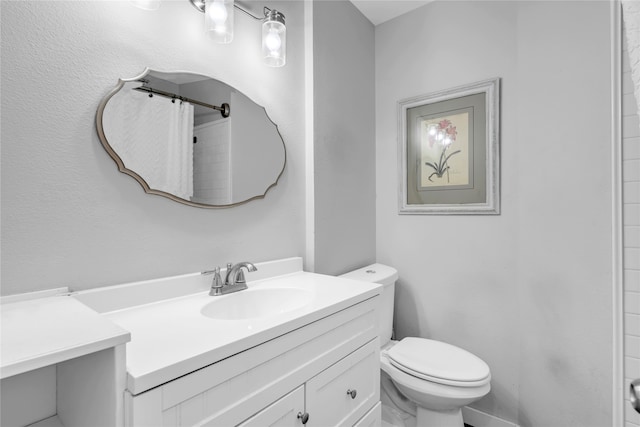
{"x": 449, "y": 151}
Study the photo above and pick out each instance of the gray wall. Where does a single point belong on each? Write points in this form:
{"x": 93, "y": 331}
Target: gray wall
{"x": 344, "y": 142}
{"x": 529, "y": 290}
{"x": 69, "y": 218}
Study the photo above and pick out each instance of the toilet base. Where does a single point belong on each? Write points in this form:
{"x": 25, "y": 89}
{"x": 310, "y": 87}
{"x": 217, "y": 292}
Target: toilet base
{"x": 392, "y": 417}
{"x": 430, "y": 418}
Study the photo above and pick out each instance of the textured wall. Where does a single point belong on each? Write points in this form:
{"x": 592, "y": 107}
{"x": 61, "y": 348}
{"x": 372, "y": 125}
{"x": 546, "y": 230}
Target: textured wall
{"x": 529, "y": 290}
{"x": 344, "y": 137}
{"x": 69, "y": 218}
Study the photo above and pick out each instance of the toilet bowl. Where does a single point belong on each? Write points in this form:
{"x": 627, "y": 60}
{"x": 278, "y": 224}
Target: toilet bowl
{"x": 440, "y": 380}
{"x": 424, "y": 382}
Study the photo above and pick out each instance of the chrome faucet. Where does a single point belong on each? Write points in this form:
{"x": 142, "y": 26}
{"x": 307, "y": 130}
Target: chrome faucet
{"x": 234, "y": 280}
{"x": 235, "y": 276}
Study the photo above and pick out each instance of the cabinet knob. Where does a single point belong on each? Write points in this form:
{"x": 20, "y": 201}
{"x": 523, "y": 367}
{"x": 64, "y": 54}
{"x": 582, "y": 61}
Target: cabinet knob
{"x": 304, "y": 417}
{"x": 352, "y": 393}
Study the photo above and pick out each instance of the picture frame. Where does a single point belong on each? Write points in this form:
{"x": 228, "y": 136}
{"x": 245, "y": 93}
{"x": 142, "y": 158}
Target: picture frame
{"x": 449, "y": 151}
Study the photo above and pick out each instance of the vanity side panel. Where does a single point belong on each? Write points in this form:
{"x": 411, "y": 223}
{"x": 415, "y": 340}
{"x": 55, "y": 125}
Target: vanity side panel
{"x": 28, "y": 397}
{"x": 90, "y": 389}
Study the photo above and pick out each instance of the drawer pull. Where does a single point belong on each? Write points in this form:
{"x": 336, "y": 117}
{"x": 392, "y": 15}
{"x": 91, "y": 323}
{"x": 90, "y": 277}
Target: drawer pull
{"x": 352, "y": 393}
{"x": 303, "y": 417}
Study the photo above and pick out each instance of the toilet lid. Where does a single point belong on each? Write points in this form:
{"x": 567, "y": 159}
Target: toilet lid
{"x": 437, "y": 361}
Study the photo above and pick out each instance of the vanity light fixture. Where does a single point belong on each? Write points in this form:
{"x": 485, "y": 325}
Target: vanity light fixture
{"x": 274, "y": 38}
{"x": 219, "y": 25}
{"x": 218, "y": 19}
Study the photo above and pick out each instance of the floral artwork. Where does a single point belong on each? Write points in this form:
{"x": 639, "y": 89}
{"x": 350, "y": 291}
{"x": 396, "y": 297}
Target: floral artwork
{"x": 449, "y": 151}
{"x": 445, "y": 151}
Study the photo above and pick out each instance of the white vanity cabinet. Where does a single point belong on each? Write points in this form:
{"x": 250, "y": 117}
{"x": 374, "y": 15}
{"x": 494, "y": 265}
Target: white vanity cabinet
{"x": 328, "y": 369}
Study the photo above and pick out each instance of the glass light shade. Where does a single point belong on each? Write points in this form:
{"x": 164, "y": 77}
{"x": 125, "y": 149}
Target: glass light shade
{"x": 218, "y": 20}
{"x": 146, "y": 4}
{"x": 274, "y": 40}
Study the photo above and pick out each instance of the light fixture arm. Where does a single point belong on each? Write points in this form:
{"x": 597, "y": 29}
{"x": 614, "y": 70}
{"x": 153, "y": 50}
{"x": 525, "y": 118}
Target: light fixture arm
{"x": 257, "y": 18}
{"x": 199, "y": 4}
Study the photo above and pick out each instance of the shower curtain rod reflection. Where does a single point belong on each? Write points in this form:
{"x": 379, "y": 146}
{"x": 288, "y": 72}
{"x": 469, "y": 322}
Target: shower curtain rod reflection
{"x": 224, "y": 109}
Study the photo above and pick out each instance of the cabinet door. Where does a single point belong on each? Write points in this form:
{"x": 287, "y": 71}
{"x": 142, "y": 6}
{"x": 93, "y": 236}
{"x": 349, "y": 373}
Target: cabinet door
{"x": 346, "y": 391}
{"x": 282, "y": 413}
{"x": 373, "y": 418}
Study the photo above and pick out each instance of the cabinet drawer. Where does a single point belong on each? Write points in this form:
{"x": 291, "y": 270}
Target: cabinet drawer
{"x": 346, "y": 391}
{"x": 282, "y": 413}
{"x": 373, "y": 418}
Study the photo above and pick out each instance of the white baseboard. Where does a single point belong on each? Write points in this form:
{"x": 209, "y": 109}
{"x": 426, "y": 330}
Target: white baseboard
{"x": 480, "y": 419}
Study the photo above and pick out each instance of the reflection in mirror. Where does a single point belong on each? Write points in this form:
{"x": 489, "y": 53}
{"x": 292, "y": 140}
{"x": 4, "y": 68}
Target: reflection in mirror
{"x": 191, "y": 138}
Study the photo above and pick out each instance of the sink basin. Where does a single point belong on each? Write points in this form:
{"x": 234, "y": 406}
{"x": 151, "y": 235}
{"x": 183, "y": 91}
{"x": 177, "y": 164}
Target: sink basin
{"x": 256, "y": 303}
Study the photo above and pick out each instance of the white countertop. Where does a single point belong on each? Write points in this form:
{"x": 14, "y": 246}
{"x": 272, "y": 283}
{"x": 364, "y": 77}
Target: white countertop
{"x": 44, "y": 331}
{"x": 172, "y": 338}
{"x": 161, "y": 320}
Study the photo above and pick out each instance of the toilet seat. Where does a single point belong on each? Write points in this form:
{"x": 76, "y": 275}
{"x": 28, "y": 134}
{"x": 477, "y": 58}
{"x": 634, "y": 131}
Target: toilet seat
{"x": 438, "y": 362}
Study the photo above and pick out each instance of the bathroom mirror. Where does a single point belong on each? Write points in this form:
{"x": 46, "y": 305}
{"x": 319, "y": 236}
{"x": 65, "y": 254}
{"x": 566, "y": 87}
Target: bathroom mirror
{"x": 191, "y": 138}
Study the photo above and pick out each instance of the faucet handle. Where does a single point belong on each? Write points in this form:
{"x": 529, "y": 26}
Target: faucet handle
{"x": 217, "y": 280}
{"x": 216, "y": 284}
{"x": 240, "y": 277}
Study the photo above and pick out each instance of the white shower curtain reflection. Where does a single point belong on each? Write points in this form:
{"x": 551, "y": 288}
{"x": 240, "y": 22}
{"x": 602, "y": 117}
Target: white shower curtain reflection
{"x": 161, "y": 151}
{"x": 179, "y": 167}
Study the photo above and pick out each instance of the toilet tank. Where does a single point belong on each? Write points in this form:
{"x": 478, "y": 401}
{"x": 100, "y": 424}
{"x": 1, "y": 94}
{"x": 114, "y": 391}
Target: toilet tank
{"x": 386, "y": 276}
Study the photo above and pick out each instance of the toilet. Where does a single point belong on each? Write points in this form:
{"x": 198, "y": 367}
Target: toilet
{"x": 423, "y": 382}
